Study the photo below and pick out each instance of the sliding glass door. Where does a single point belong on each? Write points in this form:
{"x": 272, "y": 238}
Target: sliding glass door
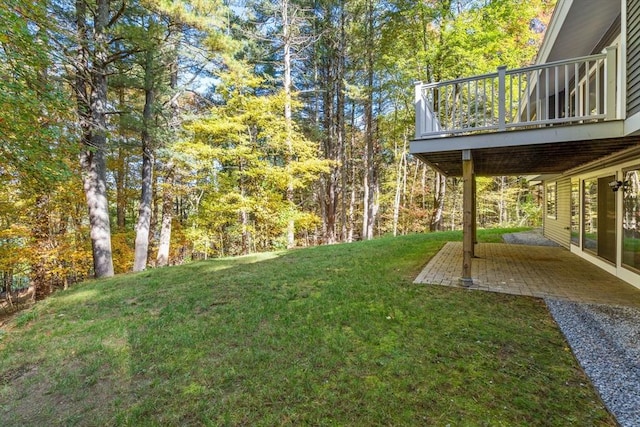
{"x": 631, "y": 219}
{"x": 607, "y": 222}
{"x": 599, "y": 226}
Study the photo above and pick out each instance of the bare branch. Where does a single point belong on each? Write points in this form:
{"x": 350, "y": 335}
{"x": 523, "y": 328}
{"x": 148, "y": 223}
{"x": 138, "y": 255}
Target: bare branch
{"x": 117, "y": 16}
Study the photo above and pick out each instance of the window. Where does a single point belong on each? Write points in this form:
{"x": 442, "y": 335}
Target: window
{"x": 575, "y": 211}
{"x": 631, "y": 219}
{"x": 552, "y": 201}
{"x": 590, "y": 225}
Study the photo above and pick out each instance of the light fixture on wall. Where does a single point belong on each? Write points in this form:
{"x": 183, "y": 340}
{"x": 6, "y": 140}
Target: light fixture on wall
{"x": 615, "y": 185}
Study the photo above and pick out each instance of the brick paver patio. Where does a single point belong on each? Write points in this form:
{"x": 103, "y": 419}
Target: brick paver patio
{"x": 539, "y": 271}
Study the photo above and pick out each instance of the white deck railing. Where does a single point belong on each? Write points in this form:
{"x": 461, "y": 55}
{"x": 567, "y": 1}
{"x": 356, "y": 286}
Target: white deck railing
{"x": 571, "y": 91}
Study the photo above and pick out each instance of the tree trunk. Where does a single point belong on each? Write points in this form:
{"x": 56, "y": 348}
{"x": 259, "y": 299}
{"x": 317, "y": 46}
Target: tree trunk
{"x": 170, "y": 177}
{"x": 121, "y": 198}
{"x": 340, "y": 115}
{"x": 167, "y": 217}
{"x": 352, "y": 206}
{"x": 403, "y": 199}
{"x": 369, "y": 184}
{"x": 401, "y": 173}
{"x": 95, "y": 188}
{"x": 333, "y": 143}
{"x": 440, "y": 188}
{"x": 91, "y": 95}
{"x": 286, "y": 37}
{"x": 331, "y": 182}
{"x": 351, "y": 210}
{"x": 366, "y": 198}
{"x": 155, "y": 216}
{"x": 121, "y": 173}
{"x": 144, "y": 213}
{"x": 245, "y": 236}
{"x": 40, "y": 234}
{"x": 502, "y": 202}
{"x": 7, "y": 282}
{"x": 454, "y": 200}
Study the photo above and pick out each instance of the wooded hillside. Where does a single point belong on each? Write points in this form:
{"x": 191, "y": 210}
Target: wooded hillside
{"x": 140, "y": 133}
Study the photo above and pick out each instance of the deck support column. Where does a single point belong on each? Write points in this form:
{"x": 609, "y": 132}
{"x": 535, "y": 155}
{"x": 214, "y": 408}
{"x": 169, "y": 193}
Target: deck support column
{"x": 468, "y": 217}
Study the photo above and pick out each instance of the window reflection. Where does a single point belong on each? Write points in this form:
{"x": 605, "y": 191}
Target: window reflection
{"x": 631, "y": 219}
{"x": 575, "y": 211}
{"x": 590, "y": 230}
{"x": 551, "y": 200}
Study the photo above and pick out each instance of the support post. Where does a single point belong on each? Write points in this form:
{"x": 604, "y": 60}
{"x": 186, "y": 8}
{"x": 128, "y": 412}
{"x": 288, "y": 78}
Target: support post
{"x": 474, "y": 216}
{"x": 611, "y": 78}
{"x": 468, "y": 219}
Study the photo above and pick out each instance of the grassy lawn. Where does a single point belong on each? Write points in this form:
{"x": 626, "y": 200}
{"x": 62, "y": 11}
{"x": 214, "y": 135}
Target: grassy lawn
{"x": 332, "y": 335}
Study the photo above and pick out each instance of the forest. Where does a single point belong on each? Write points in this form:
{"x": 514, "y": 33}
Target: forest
{"x": 145, "y": 133}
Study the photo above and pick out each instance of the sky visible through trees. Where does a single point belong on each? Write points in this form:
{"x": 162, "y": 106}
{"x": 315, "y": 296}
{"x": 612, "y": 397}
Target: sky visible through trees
{"x": 141, "y": 133}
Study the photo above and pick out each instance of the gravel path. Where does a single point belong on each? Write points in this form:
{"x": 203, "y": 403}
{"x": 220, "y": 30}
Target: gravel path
{"x": 604, "y": 338}
{"x": 606, "y": 341}
{"x": 533, "y": 237}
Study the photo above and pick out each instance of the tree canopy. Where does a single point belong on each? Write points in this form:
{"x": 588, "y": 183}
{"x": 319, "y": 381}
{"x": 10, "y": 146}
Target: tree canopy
{"x": 141, "y": 133}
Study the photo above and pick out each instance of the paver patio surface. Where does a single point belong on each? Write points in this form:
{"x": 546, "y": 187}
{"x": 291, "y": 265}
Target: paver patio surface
{"x": 539, "y": 271}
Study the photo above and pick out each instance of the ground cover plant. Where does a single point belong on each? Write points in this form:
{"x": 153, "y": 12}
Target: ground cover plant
{"x": 331, "y": 335}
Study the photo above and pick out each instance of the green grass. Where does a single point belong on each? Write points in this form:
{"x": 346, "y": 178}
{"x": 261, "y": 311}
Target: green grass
{"x": 332, "y": 335}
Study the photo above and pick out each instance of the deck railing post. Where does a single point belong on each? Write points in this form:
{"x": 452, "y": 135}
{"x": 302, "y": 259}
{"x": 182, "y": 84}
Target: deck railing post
{"x": 420, "y": 109}
{"x": 502, "y": 98}
{"x": 611, "y": 76}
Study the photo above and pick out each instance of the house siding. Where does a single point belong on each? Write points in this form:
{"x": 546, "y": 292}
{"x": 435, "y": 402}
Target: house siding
{"x": 556, "y": 228}
{"x": 633, "y": 57}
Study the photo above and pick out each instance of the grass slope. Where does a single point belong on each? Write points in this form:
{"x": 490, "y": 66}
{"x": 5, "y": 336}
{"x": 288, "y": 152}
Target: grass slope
{"x": 332, "y": 335}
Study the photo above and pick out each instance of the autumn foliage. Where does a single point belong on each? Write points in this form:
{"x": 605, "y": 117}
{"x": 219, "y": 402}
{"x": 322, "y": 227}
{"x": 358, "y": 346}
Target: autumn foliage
{"x": 149, "y": 133}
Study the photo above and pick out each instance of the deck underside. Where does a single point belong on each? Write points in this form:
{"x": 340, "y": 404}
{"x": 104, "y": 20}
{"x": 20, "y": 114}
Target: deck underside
{"x": 526, "y": 152}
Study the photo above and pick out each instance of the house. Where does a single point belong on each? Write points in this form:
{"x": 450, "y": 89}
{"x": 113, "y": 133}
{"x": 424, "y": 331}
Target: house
{"x": 572, "y": 120}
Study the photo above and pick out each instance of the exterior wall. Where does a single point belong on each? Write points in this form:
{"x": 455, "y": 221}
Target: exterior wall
{"x": 633, "y": 57}
{"x": 625, "y": 33}
{"x": 553, "y": 229}
{"x": 557, "y": 227}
